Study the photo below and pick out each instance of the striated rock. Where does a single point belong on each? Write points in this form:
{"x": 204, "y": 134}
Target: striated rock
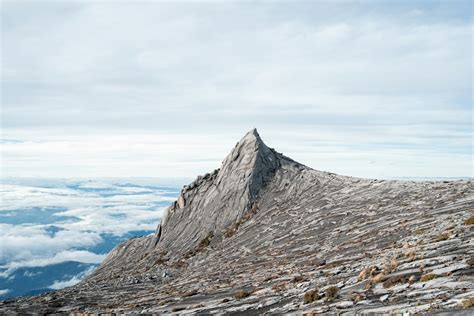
{"x": 256, "y": 235}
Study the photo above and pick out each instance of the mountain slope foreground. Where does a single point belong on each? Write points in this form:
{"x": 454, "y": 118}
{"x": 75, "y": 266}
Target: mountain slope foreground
{"x": 266, "y": 235}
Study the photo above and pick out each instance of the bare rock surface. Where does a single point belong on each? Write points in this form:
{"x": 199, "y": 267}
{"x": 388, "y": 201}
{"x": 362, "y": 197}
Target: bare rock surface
{"x": 267, "y": 235}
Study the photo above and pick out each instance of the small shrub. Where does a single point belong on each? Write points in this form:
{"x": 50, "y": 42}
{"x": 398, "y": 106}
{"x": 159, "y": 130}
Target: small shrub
{"x": 469, "y": 221}
{"x": 392, "y": 265}
{"x": 428, "y": 277}
{"x": 311, "y": 296}
{"x": 370, "y": 271}
{"x": 332, "y": 293}
{"x": 374, "y": 280}
{"x": 242, "y": 294}
{"x": 468, "y": 303}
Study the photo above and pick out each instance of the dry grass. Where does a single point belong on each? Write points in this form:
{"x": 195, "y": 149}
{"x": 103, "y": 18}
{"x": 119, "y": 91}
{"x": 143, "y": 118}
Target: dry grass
{"x": 374, "y": 280}
{"x": 468, "y": 303}
{"x": 332, "y": 293}
{"x": 470, "y": 261}
{"x": 392, "y": 265}
{"x": 411, "y": 255}
{"x": 368, "y": 272}
{"x": 428, "y": 277}
{"x": 242, "y": 294}
{"x": 311, "y": 296}
{"x": 469, "y": 221}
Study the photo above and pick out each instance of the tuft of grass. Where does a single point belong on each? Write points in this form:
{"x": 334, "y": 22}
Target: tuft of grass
{"x": 470, "y": 261}
{"x": 428, "y": 277}
{"x": 468, "y": 303}
{"x": 332, "y": 293}
{"x": 242, "y": 294}
{"x": 374, "y": 280}
{"x": 370, "y": 271}
{"x": 469, "y": 221}
{"x": 311, "y": 296}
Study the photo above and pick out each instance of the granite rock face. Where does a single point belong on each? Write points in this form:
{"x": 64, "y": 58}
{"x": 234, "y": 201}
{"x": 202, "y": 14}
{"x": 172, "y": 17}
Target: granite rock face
{"x": 267, "y": 235}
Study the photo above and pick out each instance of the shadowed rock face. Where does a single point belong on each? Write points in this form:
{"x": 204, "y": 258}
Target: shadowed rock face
{"x": 265, "y": 234}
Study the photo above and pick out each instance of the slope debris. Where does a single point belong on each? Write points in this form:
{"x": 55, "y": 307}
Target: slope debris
{"x": 267, "y": 235}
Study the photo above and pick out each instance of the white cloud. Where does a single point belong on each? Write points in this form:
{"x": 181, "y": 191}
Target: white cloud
{"x": 63, "y": 256}
{"x": 81, "y": 212}
{"x": 4, "y": 291}
{"x": 19, "y": 243}
{"x": 57, "y": 285}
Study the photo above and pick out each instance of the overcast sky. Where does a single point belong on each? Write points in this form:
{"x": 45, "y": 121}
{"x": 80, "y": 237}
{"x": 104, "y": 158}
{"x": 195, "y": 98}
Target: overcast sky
{"x": 362, "y": 88}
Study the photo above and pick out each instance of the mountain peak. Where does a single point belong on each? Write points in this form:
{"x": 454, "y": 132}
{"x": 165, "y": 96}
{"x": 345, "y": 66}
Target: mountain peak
{"x": 216, "y": 201}
{"x": 252, "y": 135}
{"x": 250, "y": 141}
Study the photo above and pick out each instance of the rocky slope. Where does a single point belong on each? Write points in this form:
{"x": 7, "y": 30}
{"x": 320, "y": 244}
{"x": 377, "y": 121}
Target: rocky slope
{"x": 267, "y": 235}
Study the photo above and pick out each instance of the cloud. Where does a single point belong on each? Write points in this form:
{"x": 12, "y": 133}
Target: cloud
{"x": 57, "y": 285}
{"x": 20, "y": 243}
{"x": 4, "y": 291}
{"x": 66, "y": 220}
{"x": 63, "y": 256}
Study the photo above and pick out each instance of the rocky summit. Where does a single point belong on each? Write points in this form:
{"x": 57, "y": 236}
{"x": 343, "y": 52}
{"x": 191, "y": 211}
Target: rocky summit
{"x": 265, "y": 234}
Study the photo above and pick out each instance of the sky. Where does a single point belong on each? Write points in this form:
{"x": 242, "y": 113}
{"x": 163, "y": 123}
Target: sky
{"x": 376, "y": 89}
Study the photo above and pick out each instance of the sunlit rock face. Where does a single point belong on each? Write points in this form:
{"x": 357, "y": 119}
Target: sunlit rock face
{"x": 265, "y": 234}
